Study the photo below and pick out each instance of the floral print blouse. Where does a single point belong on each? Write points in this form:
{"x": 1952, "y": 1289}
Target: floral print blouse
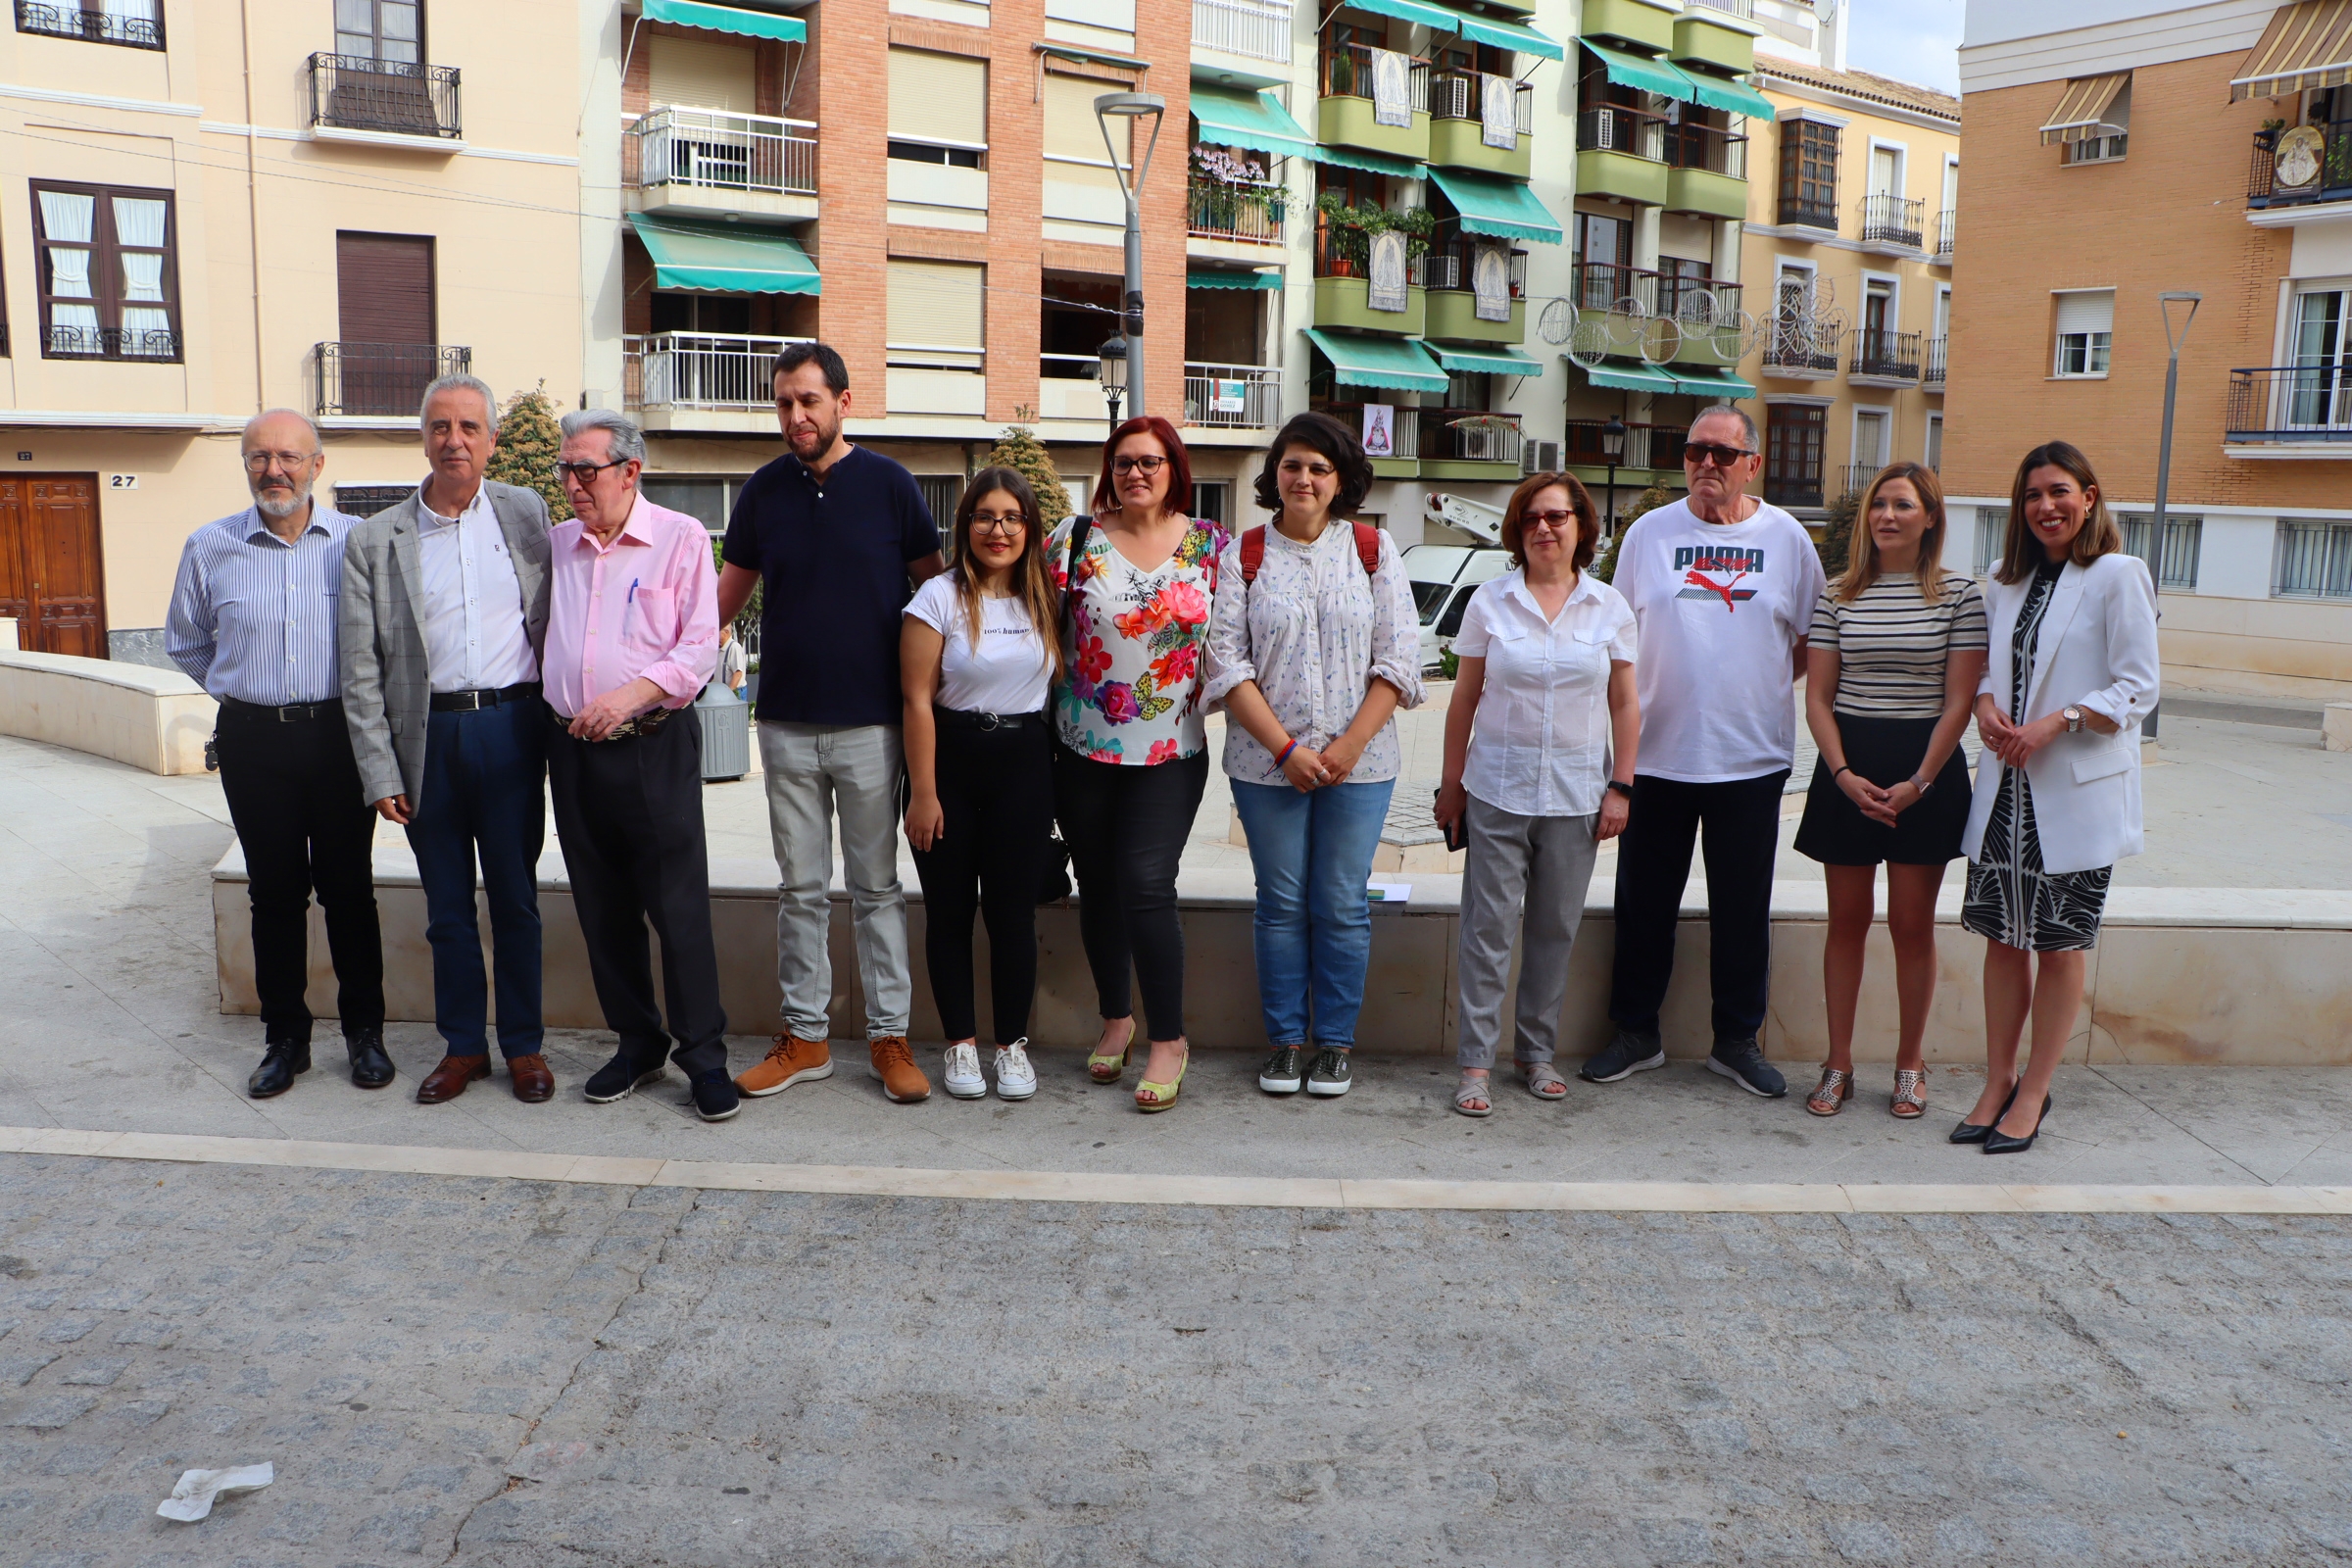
{"x": 1135, "y": 641}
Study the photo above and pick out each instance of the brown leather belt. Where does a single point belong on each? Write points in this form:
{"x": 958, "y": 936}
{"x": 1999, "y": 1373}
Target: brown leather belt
{"x": 644, "y": 724}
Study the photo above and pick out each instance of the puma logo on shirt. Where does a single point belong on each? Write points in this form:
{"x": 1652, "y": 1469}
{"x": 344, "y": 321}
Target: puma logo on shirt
{"x": 1717, "y": 573}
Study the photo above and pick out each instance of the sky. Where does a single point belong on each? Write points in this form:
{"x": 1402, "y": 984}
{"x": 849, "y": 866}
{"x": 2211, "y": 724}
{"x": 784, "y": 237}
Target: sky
{"x": 1910, "y": 40}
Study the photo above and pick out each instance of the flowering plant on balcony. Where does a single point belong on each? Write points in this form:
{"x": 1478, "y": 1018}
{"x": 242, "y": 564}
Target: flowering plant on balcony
{"x": 1348, "y": 230}
{"x": 1223, "y": 185}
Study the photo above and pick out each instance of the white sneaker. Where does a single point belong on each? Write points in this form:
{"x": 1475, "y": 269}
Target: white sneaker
{"x": 962, "y": 1075}
{"x": 1015, "y": 1078}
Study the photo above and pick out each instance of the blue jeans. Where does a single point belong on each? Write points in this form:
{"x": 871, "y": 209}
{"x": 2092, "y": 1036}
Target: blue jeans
{"x": 1313, "y": 932}
{"x": 484, "y": 791}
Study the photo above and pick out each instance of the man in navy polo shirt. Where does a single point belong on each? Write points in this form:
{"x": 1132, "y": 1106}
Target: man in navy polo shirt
{"x": 838, "y": 535}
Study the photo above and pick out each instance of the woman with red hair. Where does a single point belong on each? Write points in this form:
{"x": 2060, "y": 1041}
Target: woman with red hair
{"x": 1131, "y": 756}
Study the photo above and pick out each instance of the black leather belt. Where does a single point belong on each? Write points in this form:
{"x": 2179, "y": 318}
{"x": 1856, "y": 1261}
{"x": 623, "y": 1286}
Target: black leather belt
{"x": 293, "y": 713}
{"x": 981, "y": 719}
{"x": 469, "y": 701}
{"x": 644, "y": 724}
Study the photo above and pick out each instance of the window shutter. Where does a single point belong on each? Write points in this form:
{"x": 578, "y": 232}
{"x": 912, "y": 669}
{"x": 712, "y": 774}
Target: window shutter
{"x": 2090, "y": 310}
{"x": 384, "y": 288}
{"x": 704, "y": 74}
{"x": 936, "y": 97}
{"x": 937, "y": 304}
{"x": 1072, "y": 130}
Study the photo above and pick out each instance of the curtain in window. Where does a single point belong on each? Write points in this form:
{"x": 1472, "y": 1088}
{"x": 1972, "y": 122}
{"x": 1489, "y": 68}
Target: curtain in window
{"x": 67, "y": 223}
{"x": 146, "y": 328}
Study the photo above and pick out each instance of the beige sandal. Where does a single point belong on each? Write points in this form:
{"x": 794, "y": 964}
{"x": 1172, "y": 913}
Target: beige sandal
{"x": 1482, "y": 1092}
{"x": 1830, "y": 1095}
{"x": 1910, "y": 1101}
{"x": 1544, "y": 1080}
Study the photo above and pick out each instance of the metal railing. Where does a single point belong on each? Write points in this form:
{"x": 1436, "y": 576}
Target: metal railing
{"x": 1599, "y": 286}
{"x": 351, "y": 92}
{"x": 1890, "y": 220}
{"x": 1343, "y": 253}
{"x": 1634, "y": 132}
{"x": 1235, "y": 211}
{"x": 133, "y": 24}
{"x": 1680, "y": 297}
{"x": 379, "y": 378}
{"x": 1454, "y": 264}
{"x": 714, "y": 150}
{"x": 2291, "y": 402}
{"x": 2332, "y": 183}
{"x": 1946, "y": 223}
{"x": 1242, "y": 28}
{"x": 1346, "y": 71}
{"x": 2315, "y": 561}
{"x": 1792, "y": 491}
{"x": 1799, "y": 343}
{"x": 1738, "y": 8}
{"x": 1407, "y": 431}
{"x": 700, "y": 369}
{"x": 1891, "y": 356}
{"x": 1461, "y": 95}
{"x": 1694, "y": 145}
{"x": 1854, "y": 477}
{"x": 1647, "y": 446}
{"x": 1808, "y": 212}
{"x": 1245, "y": 397}
{"x": 1470, "y": 435}
{"x": 1934, "y": 371}
{"x": 110, "y": 343}
{"x": 1069, "y": 367}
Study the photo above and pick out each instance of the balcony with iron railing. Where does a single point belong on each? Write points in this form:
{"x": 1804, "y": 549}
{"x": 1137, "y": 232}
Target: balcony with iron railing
{"x": 1453, "y": 263}
{"x": 1469, "y": 444}
{"x": 1350, "y": 80}
{"x": 2316, "y": 166}
{"x": 385, "y": 380}
{"x": 1743, "y": 8}
{"x": 1791, "y": 489}
{"x": 132, "y": 24}
{"x": 1402, "y": 460}
{"x": 1621, "y": 154}
{"x": 1893, "y": 221}
{"x": 1344, "y": 284}
{"x": 710, "y": 371}
{"x": 1932, "y": 379}
{"x": 1462, "y": 95}
{"x": 1254, "y": 29}
{"x": 1854, "y": 477}
{"x": 79, "y": 342}
{"x": 1800, "y": 348}
{"x": 1946, "y": 224}
{"x": 1607, "y": 286}
{"x": 1808, "y": 212}
{"x": 1647, "y": 446}
{"x": 1236, "y": 211}
{"x": 714, "y": 160}
{"x": 1881, "y": 356}
{"x": 353, "y": 93}
{"x": 1238, "y": 397}
{"x": 1462, "y": 136}
{"x": 1706, "y": 169}
{"x": 2294, "y": 405}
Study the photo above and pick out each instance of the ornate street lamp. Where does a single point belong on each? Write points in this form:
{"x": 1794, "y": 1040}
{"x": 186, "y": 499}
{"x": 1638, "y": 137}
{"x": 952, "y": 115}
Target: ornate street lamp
{"x": 1612, "y": 447}
{"x": 1112, "y": 374}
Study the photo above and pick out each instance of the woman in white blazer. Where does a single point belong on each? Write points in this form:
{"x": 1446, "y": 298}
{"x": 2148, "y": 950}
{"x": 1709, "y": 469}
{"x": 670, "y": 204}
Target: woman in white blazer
{"x": 2073, "y": 672}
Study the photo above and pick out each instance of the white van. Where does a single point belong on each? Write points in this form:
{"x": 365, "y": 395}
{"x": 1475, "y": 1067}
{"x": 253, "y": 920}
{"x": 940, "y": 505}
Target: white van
{"x": 1443, "y": 577}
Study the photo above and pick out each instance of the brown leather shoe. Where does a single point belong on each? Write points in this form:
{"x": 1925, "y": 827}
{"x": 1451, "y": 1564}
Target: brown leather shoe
{"x": 893, "y": 1065}
{"x": 448, "y": 1080}
{"x": 789, "y": 1062}
{"x": 533, "y": 1082}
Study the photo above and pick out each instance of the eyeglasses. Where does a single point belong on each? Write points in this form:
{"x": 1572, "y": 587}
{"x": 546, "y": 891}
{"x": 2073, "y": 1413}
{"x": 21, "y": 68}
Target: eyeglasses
{"x": 1004, "y": 525}
{"x": 586, "y": 472}
{"x": 1144, "y": 466}
{"x": 1700, "y": 453}
{"x": 263, "y": 461}
{"x": 1554, "y": 519}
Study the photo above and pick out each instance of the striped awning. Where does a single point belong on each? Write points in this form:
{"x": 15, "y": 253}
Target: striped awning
{"x": 727, "y": 19}
{"x": 2306, "y": 45}
{"x": 2082, "y": 112}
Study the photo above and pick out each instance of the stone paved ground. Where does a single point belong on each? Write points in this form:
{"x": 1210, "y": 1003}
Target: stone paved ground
{"x": 511, "y": 1374}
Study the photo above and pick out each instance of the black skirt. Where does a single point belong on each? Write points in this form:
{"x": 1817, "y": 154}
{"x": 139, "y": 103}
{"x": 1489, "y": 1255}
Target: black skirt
{"x": 1887, "y": 752}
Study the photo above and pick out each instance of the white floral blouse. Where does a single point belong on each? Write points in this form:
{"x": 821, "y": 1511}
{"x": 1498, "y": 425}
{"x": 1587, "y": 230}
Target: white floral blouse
{"x": 1314, "y": 631}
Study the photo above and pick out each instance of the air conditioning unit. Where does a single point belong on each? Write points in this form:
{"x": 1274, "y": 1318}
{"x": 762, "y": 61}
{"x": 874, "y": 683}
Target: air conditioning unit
{"x": 1540, "y": 456}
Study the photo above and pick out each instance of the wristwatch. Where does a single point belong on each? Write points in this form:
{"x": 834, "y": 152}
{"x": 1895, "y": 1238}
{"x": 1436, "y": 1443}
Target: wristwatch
{"x": 2074, "y": 720}
{"x": 1925, "y": 786}
{"x": 1626, "y": 790}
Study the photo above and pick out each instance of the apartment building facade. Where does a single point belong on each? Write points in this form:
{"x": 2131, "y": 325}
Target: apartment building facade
{"x": 2205, "y": 150}
{"x": 209, "y": 210}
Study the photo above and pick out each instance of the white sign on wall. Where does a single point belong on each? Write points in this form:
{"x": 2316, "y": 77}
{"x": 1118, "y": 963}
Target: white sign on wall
{"x": 121, "y": 481}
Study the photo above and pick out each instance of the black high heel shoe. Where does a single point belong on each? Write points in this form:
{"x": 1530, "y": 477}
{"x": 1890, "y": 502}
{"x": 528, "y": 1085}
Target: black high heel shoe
{"x": 1969, "y": 1132}
{"x": 1997, "y": 1142}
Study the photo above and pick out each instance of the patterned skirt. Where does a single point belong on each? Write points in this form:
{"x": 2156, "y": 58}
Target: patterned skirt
{"x": 2011, "y": 900}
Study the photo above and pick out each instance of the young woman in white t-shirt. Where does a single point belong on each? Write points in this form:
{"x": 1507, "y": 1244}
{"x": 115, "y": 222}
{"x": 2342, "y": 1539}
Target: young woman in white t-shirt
{"x": 977, "y": 658}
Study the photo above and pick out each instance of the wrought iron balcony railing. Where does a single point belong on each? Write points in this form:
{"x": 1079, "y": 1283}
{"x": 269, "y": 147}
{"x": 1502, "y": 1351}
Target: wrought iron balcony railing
{"x": 2295, "y": 403}
{"x": 1890, "y": 220}
{"x": 1461, "y": 95}
{"x": 1602, "y": 285}
{"x": 1404, "y": 435}
{"x": 110, "y": 343}
{"x": 1454, "y": 264}
{"x": 1346, "y": 73}
{"x": 1246, "y": 397}
{"x": 1808, "y": 212}
{"x": 700, "y": 369}
{"x": 1262, "y": 31}
{"x": 1647, "y": 446}
{"x": 1854, "y": 477}
{"x": 1799, "y": 343}
{"x": 1609, "y": 128}
{"x": 1470, "y": 435}
{"x": 718, "y": 151}
{"x": 133, "y": 24}
{"x": 1792, "y": 489}
{"x": 387, "y": 379}
{"x": 1692, "y": 145}
{"x": 351, "y": 92}
{"x": 1888, "y": 356}
{"x": 1235, "y": 211}
{"x": 1946, "y": 223}
{"x": 1343, "y": 252}
{"x": 1935, "y": 350}
{"x": 2327, "y": 166}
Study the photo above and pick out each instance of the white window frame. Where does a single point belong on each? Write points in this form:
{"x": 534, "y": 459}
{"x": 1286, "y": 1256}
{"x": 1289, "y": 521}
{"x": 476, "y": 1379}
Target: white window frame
{"x": 2058, "y": 371}
{"x": 1931, "y": 448}
{"x": 1853, "y": 432}
{"x": 1902, "y": 164}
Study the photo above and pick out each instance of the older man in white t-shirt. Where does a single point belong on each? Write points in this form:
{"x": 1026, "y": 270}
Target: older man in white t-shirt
{"x": 1722, "y": 586}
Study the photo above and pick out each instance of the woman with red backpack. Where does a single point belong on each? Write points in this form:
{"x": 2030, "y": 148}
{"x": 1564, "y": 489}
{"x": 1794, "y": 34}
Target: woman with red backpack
{"x": 1313, "y": 648}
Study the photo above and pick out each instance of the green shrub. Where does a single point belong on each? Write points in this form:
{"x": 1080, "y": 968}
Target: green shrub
{"x": 529, "y": 440}
{"x": 1019, "y": 450}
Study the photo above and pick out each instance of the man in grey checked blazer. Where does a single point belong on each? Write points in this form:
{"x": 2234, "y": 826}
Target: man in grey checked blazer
{"x": 444, "y": 609}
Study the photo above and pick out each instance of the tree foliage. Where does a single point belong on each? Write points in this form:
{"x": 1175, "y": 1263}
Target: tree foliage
{"x": 1019, "y": 450}
{"x": 1650, "y": 500}
{"x": 528, "y": 439}
{"x": 1836, "y": 543}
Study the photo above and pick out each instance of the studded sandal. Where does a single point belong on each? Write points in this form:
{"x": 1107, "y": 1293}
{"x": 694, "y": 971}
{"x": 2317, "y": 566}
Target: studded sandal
{"x": 1910, "y": 1101}
{"x": 1828, "y": 1097}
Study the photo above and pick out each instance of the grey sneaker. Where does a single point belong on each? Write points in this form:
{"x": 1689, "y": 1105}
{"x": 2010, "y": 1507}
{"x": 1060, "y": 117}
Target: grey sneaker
{"x": 1280, "y": 1075}
{"x": 1622, "y": 1058}
{"x": 1330, "y": 1075}
{"x": 1742, "y": 1062}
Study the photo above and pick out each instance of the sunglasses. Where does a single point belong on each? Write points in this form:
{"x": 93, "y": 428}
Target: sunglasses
{"x": 1700, "y": 453}
{"x": 586, "y": 472}
{"x": 1557, "y": 520}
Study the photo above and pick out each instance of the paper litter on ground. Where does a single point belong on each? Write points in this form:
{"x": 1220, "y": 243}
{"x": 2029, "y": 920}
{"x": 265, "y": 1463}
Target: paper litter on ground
{"x": 199, "y": 1489}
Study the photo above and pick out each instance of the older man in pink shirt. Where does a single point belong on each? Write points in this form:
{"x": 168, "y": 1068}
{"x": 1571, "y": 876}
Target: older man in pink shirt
{"x": 632, "y": 636}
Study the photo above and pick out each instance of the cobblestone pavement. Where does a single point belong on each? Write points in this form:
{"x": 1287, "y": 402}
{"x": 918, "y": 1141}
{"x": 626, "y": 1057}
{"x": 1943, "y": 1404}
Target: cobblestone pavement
{"x": 507, "y": 1373}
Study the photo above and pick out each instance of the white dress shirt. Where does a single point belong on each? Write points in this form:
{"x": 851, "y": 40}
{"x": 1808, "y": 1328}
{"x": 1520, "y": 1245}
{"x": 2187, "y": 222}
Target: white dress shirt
{"x": 1541, "y": 742}
{"x": 473, "y": 633}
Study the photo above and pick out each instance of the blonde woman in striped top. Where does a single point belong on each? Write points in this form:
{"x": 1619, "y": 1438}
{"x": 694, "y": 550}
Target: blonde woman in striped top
{"x": 1897, "y": 646}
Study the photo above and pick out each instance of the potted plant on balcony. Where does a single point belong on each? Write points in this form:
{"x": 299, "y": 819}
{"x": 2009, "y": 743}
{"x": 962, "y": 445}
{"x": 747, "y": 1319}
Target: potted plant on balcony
{"x": 1348, "y": 230}
{"x": 1224, "y": 185}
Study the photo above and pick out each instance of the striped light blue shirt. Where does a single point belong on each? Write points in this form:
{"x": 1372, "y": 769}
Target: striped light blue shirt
{"x": 252, "y": 617}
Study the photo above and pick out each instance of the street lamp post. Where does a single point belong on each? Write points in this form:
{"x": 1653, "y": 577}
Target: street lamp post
{"x": 1131, "y": 107}
{"x": 2164, "y": 445}
{"x": 1113, "y": 355}
{"x": 1612, "y": 447}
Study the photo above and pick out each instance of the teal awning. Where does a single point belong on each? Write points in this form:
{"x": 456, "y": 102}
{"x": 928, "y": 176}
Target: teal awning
{"x": 1219, "y": 279}
{"x": 1492, "y": 204}
{"x": 1509, "y": 35}
{"x": 1399, "y": 364}
{"x": 1627, "y": 375}
{"x": 735, "y": 260}
{"x": 1640, "y": 70}
{"x": 1239, "y": 117}
{"x": 1702, "y": 381}
{"x": 727, "y": 19}
{"x": 1369, "y": 162}
{"x": 1733, "y": 97}
{"x": 1487, "y": 361}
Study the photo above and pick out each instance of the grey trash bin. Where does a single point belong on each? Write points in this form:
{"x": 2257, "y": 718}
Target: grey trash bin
{"x": 726, "y": 721}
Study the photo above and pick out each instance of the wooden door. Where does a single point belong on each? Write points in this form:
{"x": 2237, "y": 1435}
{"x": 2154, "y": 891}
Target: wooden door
{"x": 51, "y": 576}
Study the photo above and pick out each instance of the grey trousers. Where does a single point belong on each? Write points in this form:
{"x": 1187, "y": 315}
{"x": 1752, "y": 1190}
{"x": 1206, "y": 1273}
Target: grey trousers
{"x": 812, "y": 769}
{"x": 1543, "y": 864}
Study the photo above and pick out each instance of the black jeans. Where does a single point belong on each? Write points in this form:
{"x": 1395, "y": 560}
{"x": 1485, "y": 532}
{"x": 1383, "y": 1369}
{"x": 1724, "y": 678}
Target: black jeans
{"x": 1741, "y": 821}
{"x": 294, "y": 795}
{"x": 629, "y": 822}
{"x": 996, "y": 800}
{"x": 1126, "y": 828}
